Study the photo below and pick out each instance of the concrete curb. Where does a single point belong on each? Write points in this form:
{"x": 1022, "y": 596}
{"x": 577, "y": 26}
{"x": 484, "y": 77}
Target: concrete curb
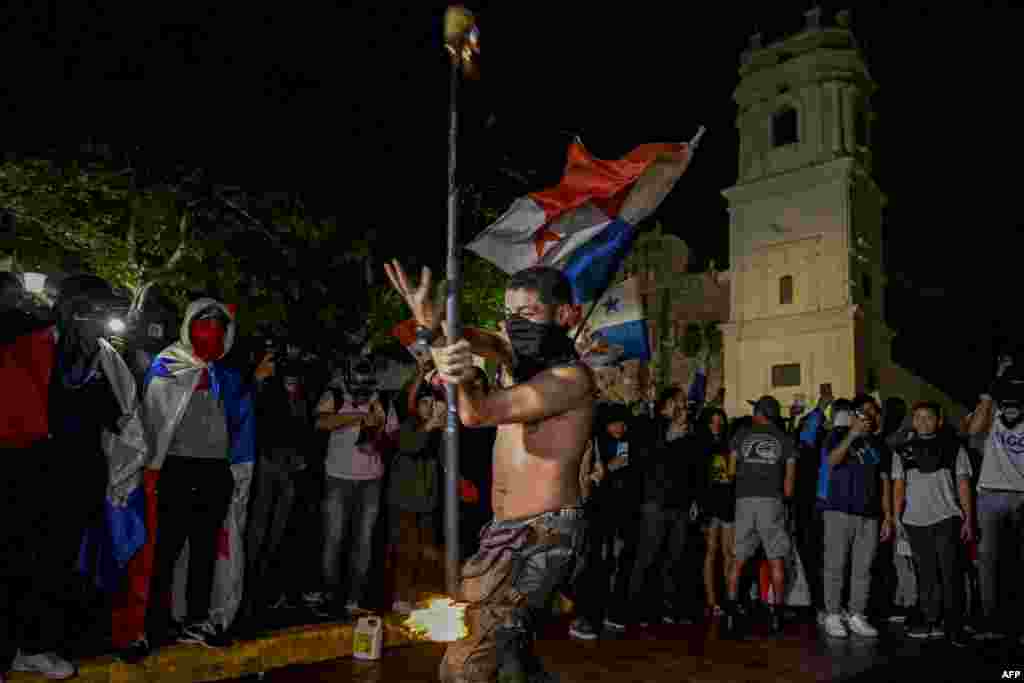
{"x": 192, "y": 663}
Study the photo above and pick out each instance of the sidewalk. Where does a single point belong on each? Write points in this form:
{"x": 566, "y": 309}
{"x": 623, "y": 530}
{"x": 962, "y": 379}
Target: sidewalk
{"x": 294, "y": 645}
{"x": 192, "y": 663}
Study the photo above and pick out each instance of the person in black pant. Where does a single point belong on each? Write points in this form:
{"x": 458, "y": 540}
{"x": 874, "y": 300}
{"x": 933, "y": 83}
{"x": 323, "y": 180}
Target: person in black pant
{"x": 670, "y": 476}
{"x": 932, "y": 496}
{"x": 195, "y": 418}
{"x": 62, "y": 404}
{"x": 612, "y": 511}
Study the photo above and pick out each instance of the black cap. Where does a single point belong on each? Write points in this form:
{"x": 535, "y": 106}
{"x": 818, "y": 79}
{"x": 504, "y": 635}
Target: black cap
{"x": 767, "y": 406}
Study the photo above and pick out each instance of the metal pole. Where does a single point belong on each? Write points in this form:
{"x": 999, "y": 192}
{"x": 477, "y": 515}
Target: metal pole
{"x": 451, "y": 460}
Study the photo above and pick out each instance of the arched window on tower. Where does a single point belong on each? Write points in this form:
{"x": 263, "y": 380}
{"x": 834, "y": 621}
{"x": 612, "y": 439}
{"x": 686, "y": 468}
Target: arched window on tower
{"x": 786, "y": 289}
{"x": 784, "y": 127}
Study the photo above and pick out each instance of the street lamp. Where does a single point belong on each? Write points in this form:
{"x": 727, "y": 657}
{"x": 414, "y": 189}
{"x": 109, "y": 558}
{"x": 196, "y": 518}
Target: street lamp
{"x": 116, "y": 325}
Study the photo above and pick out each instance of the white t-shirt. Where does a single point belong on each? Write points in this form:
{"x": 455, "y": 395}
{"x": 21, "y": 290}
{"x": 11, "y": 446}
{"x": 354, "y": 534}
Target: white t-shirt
{"x": 346, "y": 460}
{"x": 1002, "y": 464}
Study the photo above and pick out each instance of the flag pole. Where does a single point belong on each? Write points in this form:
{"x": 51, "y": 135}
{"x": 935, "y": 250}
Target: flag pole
{"x": 593, "y": 305}
{"x": 451, "y": 459}
{"x": 460, "y": 41}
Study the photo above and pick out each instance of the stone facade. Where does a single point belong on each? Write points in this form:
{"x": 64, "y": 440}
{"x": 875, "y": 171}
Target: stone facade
{"x": 806, "y": 295}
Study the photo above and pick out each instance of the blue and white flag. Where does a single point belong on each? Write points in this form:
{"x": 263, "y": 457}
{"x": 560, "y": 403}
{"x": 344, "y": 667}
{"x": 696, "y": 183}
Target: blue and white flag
{"x": 617, "y": 330}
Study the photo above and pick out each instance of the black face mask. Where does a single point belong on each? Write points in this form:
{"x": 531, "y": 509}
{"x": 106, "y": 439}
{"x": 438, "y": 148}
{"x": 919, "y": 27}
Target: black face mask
{"x": 538, "y": 346}
{"x": 1011, "y": 414}
{"x": 928, "y": 454}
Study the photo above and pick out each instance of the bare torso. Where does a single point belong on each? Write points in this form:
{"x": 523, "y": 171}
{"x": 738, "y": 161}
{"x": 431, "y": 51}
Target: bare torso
{"x": 536, "y": 466}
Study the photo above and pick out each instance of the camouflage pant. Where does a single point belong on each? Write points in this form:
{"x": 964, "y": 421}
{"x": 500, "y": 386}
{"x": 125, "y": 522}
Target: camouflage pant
{"x": 508, "y": 585}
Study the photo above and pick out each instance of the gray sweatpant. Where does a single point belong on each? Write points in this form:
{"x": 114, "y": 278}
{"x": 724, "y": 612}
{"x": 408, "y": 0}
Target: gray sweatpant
{"x": 853, "y": 540}
{"x": 1000, "y": 552}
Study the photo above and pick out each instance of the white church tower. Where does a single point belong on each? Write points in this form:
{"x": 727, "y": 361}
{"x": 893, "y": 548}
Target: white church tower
{"x": 805, "y": 223}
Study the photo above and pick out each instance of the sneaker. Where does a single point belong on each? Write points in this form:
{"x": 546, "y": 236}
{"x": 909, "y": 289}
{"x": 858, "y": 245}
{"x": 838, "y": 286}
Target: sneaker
{"x": 898, "y": 615}
{"x": 958, "y": 638}
{"x": 834, "y": 626}
{"x": 614, "y": 624}
{"x": 919, "y": 631}
{"x": 859, "y": 625}
{"x": 49, "y": 664}
{"x": 775, "y": 620}
{"x": 281, "y": 603}
{"x": 937, "y": 631}
{"x": 731, "y": 622}
{"x": 136, "y": 652}
{"x": 206, "y": 634}
{"x": 582, "y": 630}
{"x": 986, "y": 629}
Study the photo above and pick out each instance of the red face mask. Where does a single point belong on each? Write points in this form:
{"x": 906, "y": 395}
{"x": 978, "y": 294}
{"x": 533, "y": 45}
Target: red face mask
{"x": 207, "y": 337}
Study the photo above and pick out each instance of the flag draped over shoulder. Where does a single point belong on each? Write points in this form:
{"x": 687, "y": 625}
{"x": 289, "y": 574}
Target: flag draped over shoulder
{"x": 617, "y": 329}
{"x": 585, "y": 225}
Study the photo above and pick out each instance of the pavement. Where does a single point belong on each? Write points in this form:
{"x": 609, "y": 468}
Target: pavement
{"x": 698, "y": 653}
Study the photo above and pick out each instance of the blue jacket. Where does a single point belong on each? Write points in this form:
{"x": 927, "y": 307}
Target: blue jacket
{"x": 853, "y": 486}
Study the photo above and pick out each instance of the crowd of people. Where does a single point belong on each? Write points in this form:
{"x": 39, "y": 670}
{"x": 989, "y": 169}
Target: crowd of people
{"x": 202, "y": 489}
{"x": 867, "y": 513}
{"x": 198, "y": 485}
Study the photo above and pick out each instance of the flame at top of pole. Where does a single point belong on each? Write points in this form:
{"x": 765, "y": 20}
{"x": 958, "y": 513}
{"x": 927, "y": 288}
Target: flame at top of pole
{"x": 462, "y": 39}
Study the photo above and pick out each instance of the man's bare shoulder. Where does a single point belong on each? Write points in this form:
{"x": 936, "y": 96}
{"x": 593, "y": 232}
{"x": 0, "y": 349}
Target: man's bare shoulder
{"x": 579, "y": 376}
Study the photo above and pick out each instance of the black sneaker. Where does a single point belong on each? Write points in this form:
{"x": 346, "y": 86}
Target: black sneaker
{"x": 898, "y": 615}
{"x": 206, "y": 634}
{"x": 919, "y": 631}
{"x": 136, "y": 652}
{"x": 958, "y": 638}
{"x": 731, "y": 616}
{"x": 581, "y": 629}
{"x": 775, "y": 620}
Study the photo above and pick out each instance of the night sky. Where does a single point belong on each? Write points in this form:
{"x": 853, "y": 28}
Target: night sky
{"x": 348, "y": 106}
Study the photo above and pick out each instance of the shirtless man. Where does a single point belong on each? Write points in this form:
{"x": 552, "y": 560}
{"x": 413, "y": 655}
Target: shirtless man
{"x": 544, "y": 425}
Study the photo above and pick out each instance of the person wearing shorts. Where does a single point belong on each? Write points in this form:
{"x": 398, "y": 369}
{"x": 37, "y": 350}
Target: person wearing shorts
{"x": 719, "y": 507}
{"x": 763, "y": 463}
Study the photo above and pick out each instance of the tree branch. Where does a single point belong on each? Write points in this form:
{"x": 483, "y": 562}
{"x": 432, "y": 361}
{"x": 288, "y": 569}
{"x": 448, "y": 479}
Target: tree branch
{"x": 179, "y": 252}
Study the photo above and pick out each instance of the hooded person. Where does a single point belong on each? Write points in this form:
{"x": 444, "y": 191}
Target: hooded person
{"x": 200, "y": 428}
{"x": 72, "y": 395}
{"x": 31, "y": 612}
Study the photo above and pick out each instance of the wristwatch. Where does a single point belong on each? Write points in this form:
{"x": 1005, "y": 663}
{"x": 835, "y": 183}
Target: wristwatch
{"x": 424, "y": 336}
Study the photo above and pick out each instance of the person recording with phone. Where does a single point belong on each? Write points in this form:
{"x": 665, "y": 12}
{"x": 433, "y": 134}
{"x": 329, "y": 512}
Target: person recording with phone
{"x": 354, "y": 416}
{"x": 855, "y": 496}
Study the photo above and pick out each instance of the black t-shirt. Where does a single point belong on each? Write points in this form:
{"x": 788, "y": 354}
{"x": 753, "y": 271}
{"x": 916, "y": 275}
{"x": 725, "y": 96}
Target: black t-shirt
{"x": 762, "y": 452}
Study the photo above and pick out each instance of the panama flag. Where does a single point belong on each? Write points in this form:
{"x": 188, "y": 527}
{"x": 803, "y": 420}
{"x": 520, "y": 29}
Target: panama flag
{"x": 617, "y": 329}
{"x": 585, "y": 225}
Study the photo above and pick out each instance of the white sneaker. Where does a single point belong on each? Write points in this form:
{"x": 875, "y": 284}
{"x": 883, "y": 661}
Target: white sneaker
{"x": 835, "y": 627}
{"x": 614, "y": 625}
{"x": 859, "y": 625}
{"x": 48, "y": 664}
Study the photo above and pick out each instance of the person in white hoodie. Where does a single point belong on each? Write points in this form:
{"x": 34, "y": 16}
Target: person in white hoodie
{"x": 199, "y": 421}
